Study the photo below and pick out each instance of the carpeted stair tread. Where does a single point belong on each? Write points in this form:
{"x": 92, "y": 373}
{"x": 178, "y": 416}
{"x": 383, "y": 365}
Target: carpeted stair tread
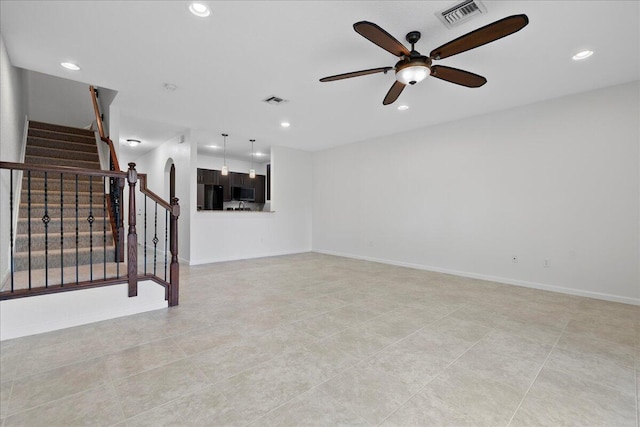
{"x": 37, "y": 212}
{"x": 53, "y": 196}
{"x": 52, "y": 161}
{"x": 60, "y": 128}
{"x": 53, "y": 178}
{"x": 58, "y": 153}
{"x": 61, "y": 144}
{"x": 52, "y": 240}
{"x": 53, "y": 259}
{"x": 68, "y": 224}
{"x": 78, "y": 139}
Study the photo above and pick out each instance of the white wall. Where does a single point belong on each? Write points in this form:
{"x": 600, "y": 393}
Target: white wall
{"x": 60, "y": 101}
{"x": 34, "y": 315}
{"x": 557, "y": 180}
{"x": 222, "y": 236}
{"x": 12, "y": 122}
{"x": 207, "y": 161}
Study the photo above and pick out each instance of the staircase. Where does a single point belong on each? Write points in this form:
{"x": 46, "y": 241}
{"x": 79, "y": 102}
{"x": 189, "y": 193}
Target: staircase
{"x": 65, "y": 222}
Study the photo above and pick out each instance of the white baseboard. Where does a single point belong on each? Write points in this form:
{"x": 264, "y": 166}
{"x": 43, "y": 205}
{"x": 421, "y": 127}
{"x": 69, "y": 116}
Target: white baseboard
{"x": 499, "y": 279}
{"x": 238, "y": 258}
{"x": 34, "y": 315}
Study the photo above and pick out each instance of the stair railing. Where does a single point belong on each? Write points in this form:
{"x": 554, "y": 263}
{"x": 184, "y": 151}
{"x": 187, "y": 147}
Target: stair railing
{"x": 62, "y": 232}
{"x": 115, "y": 190}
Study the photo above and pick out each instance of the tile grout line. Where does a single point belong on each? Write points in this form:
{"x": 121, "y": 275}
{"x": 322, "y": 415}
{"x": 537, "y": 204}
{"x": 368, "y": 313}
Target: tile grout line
{"x": 436, "y": 376}
{"x": 117, "y": 396}
{"x": 50, "y": 401}
{"x": 537, "y": 375}
{"x": 351, "y": 366}
{"x": 6, "y": 415}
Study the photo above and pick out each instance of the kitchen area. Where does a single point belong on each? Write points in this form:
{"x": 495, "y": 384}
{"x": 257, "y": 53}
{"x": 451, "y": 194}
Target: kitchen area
{"x": 235, "y": 191}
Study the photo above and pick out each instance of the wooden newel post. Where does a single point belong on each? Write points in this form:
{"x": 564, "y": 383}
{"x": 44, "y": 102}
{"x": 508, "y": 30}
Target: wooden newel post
{"x": 119, "y": 213}
{"x": 174, "y": 267}
{"x": 132, "y": 238}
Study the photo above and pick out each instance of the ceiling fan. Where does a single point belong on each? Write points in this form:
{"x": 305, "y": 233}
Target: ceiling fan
{"x": 414, "y": 67}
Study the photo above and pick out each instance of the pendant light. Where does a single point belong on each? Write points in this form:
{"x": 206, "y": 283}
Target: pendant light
{"x": 252, "y": 171}
{"x": 225, "y": 168}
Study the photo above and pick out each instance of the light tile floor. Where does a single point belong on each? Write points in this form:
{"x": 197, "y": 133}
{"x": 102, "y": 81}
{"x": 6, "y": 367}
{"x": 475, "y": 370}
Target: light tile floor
{"x": 312, "y": 339}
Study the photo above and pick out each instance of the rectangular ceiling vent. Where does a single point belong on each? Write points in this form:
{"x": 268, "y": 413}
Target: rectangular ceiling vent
{"x": 460, "y": 13}
{"x": 275, "y": 100}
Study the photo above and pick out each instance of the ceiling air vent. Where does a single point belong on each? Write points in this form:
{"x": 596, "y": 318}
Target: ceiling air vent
{"x": 275, "y": 100}
{"x": 461, "y": 12}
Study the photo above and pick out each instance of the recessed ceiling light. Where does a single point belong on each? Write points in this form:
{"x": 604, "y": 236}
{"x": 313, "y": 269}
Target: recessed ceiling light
{"x": 584, "y": 54}
{"x": 133, "y": 142}
{"x": 285, "y": 124}
{"x": 259, "y": 154}
{"x": 70, "y": 66}
{"x": 403, "y": 107}
{"x": 199, "y": 9}
{"x": 212, "y": 146}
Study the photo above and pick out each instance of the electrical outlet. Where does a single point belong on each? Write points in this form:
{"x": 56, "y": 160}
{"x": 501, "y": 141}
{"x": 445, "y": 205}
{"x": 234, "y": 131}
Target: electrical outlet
{"x": 370, "y": 243}
{"x": 546, "y": 263}
{"x": 514, "y": 259}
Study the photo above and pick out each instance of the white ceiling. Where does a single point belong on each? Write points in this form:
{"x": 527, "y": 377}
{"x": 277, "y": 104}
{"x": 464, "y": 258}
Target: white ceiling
{"x": 226, "y": 64}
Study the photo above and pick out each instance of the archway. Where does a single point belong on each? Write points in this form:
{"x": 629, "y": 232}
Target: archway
{"x": 167, "y": 195}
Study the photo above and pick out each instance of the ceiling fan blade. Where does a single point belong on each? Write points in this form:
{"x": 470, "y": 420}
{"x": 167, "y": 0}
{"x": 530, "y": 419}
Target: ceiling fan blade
{"x": 394, "y": 93}
{"x": 377, "y": 35}
{"x": 356, "y": 74}
{"x": 460, "y": 77}
{"x": 481, "y": 36}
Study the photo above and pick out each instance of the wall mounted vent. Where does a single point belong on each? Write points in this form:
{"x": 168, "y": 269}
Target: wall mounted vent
{"x": 275, "y": 100}
{"x": 461, "y": 12}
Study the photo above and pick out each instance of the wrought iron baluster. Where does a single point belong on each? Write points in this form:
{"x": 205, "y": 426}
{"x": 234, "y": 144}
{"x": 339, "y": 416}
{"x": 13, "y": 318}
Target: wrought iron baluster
{"x": 90, "y": 220}
{"x": 155, "y": 238}
{"x": 11, "y": 224}
{"x": 145, "y": 234}
{"x": 104, "y": 232}
{"x": 29, "y": 219}
{"x": 61, "y": 229}
{"x": 166, "y": 239}
{"x": 115, "y": 199}
{"x": 45, "y": 219}
{"x": 77, "y": 230}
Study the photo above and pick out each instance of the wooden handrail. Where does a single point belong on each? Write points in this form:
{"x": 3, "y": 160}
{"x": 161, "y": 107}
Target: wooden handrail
{"x": 62, "y": 169}
{"x": 153, "y": 196}
{"x": 103, "y": 137}
{"x": 96, "y": 109}
{"x": 112, "y": 152}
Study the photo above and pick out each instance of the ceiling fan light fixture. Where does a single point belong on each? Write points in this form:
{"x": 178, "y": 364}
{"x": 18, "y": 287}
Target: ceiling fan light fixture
{"x": 412, "y": 72}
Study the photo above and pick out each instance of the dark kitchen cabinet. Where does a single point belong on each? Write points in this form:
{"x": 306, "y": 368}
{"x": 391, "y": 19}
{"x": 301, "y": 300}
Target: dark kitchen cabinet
{"x": 237, "y": 179}
{"x": 226, "y": 186}
{"x": 233, "y": 179}
{"x": 259, "y": 185}
{"x": 208, "y": 176}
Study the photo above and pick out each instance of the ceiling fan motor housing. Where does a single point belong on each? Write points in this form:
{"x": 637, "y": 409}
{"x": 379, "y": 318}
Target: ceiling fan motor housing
{"x": 413, "y": 70}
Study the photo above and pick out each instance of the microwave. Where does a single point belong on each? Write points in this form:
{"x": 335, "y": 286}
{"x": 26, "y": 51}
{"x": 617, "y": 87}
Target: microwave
{"x": 243, "y": 194}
